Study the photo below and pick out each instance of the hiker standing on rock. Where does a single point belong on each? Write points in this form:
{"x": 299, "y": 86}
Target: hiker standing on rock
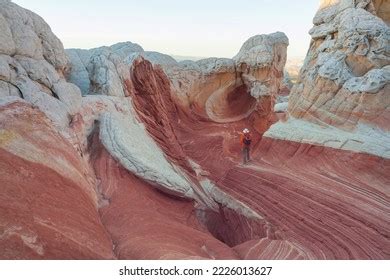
{"x": 245, "y": 140}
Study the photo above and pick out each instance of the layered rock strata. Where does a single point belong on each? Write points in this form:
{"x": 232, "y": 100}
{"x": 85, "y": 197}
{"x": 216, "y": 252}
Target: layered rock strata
{"x": 118, "y": 152}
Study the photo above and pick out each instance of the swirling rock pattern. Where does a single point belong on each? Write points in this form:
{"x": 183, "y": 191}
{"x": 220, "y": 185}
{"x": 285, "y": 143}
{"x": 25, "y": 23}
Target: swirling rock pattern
{"x": 321, "y": 202}
{"x": 120, "y": 153}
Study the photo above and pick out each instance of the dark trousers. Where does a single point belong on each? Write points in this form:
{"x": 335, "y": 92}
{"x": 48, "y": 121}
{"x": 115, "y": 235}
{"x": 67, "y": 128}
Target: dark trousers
{"x": 245, "y": 154}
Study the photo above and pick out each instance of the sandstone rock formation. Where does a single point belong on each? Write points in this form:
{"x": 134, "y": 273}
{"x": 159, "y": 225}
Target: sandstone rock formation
{"x": 33, "y": 64}
{"x": 228, "y": 90}
{"x": 104, "y": 70}
{"x": 127, "y": 140}
{"x": 122, "y": 153}
{"x": 217, "y": 89}
{"x": 48, "y": 201}
{"x": 342, "y": 97}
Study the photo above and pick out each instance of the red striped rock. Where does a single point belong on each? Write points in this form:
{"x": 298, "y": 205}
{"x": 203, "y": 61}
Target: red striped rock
{"x": 266, "y": 249}
{"x": 48, "y": 202}
{"x": 318, "y": 202}
{"x": 147, "y": 224}
{"x": 322, "y": 202}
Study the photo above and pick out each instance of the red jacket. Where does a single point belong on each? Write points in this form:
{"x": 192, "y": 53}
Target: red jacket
{"x": 242, "y": 137}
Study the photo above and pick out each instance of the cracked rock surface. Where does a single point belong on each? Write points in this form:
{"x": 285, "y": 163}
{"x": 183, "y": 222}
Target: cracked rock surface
{"x": 344, "y": 85}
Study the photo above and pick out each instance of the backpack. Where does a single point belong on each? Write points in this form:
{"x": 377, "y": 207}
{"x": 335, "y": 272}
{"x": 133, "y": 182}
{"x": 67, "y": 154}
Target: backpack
{"x": 247, "y": 141}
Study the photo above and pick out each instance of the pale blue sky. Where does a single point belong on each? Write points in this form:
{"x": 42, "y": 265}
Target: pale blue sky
{"x": 193, "y": 28}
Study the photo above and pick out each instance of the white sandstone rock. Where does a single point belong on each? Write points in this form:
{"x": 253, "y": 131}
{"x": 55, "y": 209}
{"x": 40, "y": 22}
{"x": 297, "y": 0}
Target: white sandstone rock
{"x": 103, "y": 70}
{"x": 259, "y": 50}
{"x": 33, "y": 64}
{"x": 78, "y": 74}
{"x": 31, "y": 36}
{"x": 281, "y": 107}
{"x": 129, "y": 143}
{"x": 155, "y": 58}
{"x": 364, "y": 138}
{"x": 69, "y": 94}
{"x": 342, "y": 97}
{"x": 371, "y": 82}
{"x": 104, "y": 76}
{"x": 6, "y": 100}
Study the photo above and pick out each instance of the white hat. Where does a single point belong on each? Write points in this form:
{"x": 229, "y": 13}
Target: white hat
{"x": 246, "y": 130}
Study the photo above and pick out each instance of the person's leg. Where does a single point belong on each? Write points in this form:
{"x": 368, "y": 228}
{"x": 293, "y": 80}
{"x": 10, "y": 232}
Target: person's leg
{"x": 243, "y": 155}
{"x": 248, "y": 158}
